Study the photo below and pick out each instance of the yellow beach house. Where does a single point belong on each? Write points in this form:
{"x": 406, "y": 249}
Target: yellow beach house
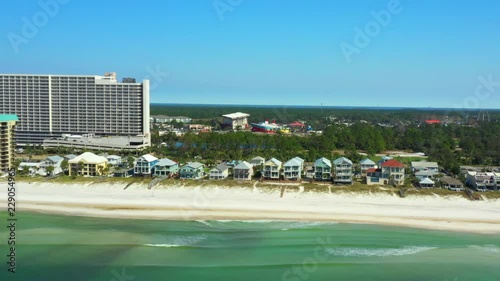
{"x": 87, "y": 164}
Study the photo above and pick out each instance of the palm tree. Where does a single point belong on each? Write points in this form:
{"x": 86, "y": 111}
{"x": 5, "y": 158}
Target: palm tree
{"x": 80, "y": 167}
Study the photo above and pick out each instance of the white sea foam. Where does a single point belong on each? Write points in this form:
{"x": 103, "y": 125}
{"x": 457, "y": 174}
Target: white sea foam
{"x": 486, "y": 248}
{"x": 204, "y": 222}
{"x": 365, "y": 252}
{"x": 179, "y": 241}
{"x": 162, "y": 245}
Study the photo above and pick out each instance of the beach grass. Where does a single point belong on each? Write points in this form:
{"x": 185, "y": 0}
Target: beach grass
{"x": 267, "y": 186}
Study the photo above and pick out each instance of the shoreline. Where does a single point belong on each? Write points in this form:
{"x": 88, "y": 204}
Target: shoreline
{"x": 213, "y": 203}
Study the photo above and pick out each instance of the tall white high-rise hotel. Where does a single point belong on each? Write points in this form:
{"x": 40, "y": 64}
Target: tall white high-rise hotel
{"x": 52, "y": 105}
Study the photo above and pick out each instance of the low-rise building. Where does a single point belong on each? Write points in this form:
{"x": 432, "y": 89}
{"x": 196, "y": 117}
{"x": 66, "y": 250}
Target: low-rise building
{"x": 426, "y": 183}
{"x": 391, "y": 172}
{"x": 244, "y": 171}
{"x": 91, "y": 142}
{"x": 193, "y": 170}
{"x": 342, "y": 171}
{"x": 52, "y": 161}
{"x": 220, "y": 172}
{"x": 424, "y": 166}
{"x": 483, "y": 181}
{"x": 235, "y": 121}
{"x": 366, "y": 164}
{"x": 257, "y": 161}
{"x": 272, "y": 169}
{"x": 166, "y": 168}
{"x": 87, "y": 164}
{"x": 394, "y": 171}
{"x": 452, "y": 184}
{"x": 292, "y": 169}
{"x": 322, "y": 169}
{"x": 144, "y": 165}
{"x": 114, "y": 160}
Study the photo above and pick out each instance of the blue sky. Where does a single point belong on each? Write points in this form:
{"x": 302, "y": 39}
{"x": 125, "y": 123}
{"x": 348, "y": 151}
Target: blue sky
{"x": 284, "y": 52}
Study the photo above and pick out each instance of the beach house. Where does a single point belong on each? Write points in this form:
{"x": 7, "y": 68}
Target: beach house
{"x": 322, "y": 169}
{"x": 426, "y": 183}
{"x": 244, "y": 171}
{"x": 452, "y": 183}
{"x": 219, "y": 172}
{"x": 342, "y": 168}
{"x": 292, "y": 169}
{"x": 483, "y": 181}
{"x": 194, "y": 170}
{"x": 424, "y": 166}
{"x": 87, "y": 164}
{"x": 144, "y": 165}
{"x": 272, "y": 169}
{"x": 166, "y": 168}
{"x": 54, "y": 162}
{"x": 257, "y": 161}
{"x": 366, "y": 164}
{"x": 114, "y": 160}
{"x": 393, "y": 172}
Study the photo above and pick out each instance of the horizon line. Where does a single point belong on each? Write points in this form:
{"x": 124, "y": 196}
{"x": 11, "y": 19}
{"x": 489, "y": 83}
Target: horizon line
{"x": 324, "y": 106}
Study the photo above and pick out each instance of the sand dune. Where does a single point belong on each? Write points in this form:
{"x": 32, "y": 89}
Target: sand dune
{"x": 178, "y": 203}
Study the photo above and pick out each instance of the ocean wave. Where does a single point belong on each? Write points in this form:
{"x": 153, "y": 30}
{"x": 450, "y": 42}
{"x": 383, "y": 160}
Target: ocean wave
{"x": 366, "y": 252}
{"x": 300, "y": 225}
{"x": 162, "y": 245}
{"x": 179, "y": 241}
{"x": 204, "y": 222}
{"x": 486, "y": 248}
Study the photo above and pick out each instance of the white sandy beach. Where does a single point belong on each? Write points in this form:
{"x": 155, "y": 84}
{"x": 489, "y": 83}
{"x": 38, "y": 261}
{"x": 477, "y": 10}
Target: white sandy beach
{"x": 178, "y": 203}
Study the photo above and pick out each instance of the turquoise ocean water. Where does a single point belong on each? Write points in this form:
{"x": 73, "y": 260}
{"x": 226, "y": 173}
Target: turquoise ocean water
{"x": 51, "y": 247}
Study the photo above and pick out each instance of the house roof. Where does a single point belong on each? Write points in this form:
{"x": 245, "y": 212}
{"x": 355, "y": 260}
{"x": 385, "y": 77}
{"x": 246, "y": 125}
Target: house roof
{"x": 259, "y": 158}
{"x": 424, "y": 164}
{"x": 372, "y": 170}
{"x": 293, "y": 162}
{"x": 341, "y": 160}
{"x": 244, "y": 166}
{"x": 114, "y": 157}
{"x": 149, "y": 157}
{"x": 8, "y": 117}
{"x": 367, "y": 161}
{"x": 299, "y": 159}
{"x": 165, "y": 162}
{"x": 451, "y": 181}
{"x": 386, "y": 158}
{"x": 236, "y": 115}
{"x": 88, "y": 158}
{"x": 194, "y": 165}
{"x": 426, "y": 181}
{"x": 221, "y": 167}
{"x": 426, "y": 173}
{"x": 69, "y": 156}
{"x": 323, "y": 160}
{"x": 275, "y": 161}
{"x": 393, "y": 163}
{"x": 55, "y": 158}
{"x": 432, "y": 121}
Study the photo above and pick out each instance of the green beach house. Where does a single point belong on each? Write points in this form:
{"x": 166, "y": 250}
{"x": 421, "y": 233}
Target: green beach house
{"x": 193, "y": 170}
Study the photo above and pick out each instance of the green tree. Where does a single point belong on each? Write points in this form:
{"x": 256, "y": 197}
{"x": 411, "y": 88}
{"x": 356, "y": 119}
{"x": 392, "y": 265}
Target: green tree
{"x": 50, "y": 170}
